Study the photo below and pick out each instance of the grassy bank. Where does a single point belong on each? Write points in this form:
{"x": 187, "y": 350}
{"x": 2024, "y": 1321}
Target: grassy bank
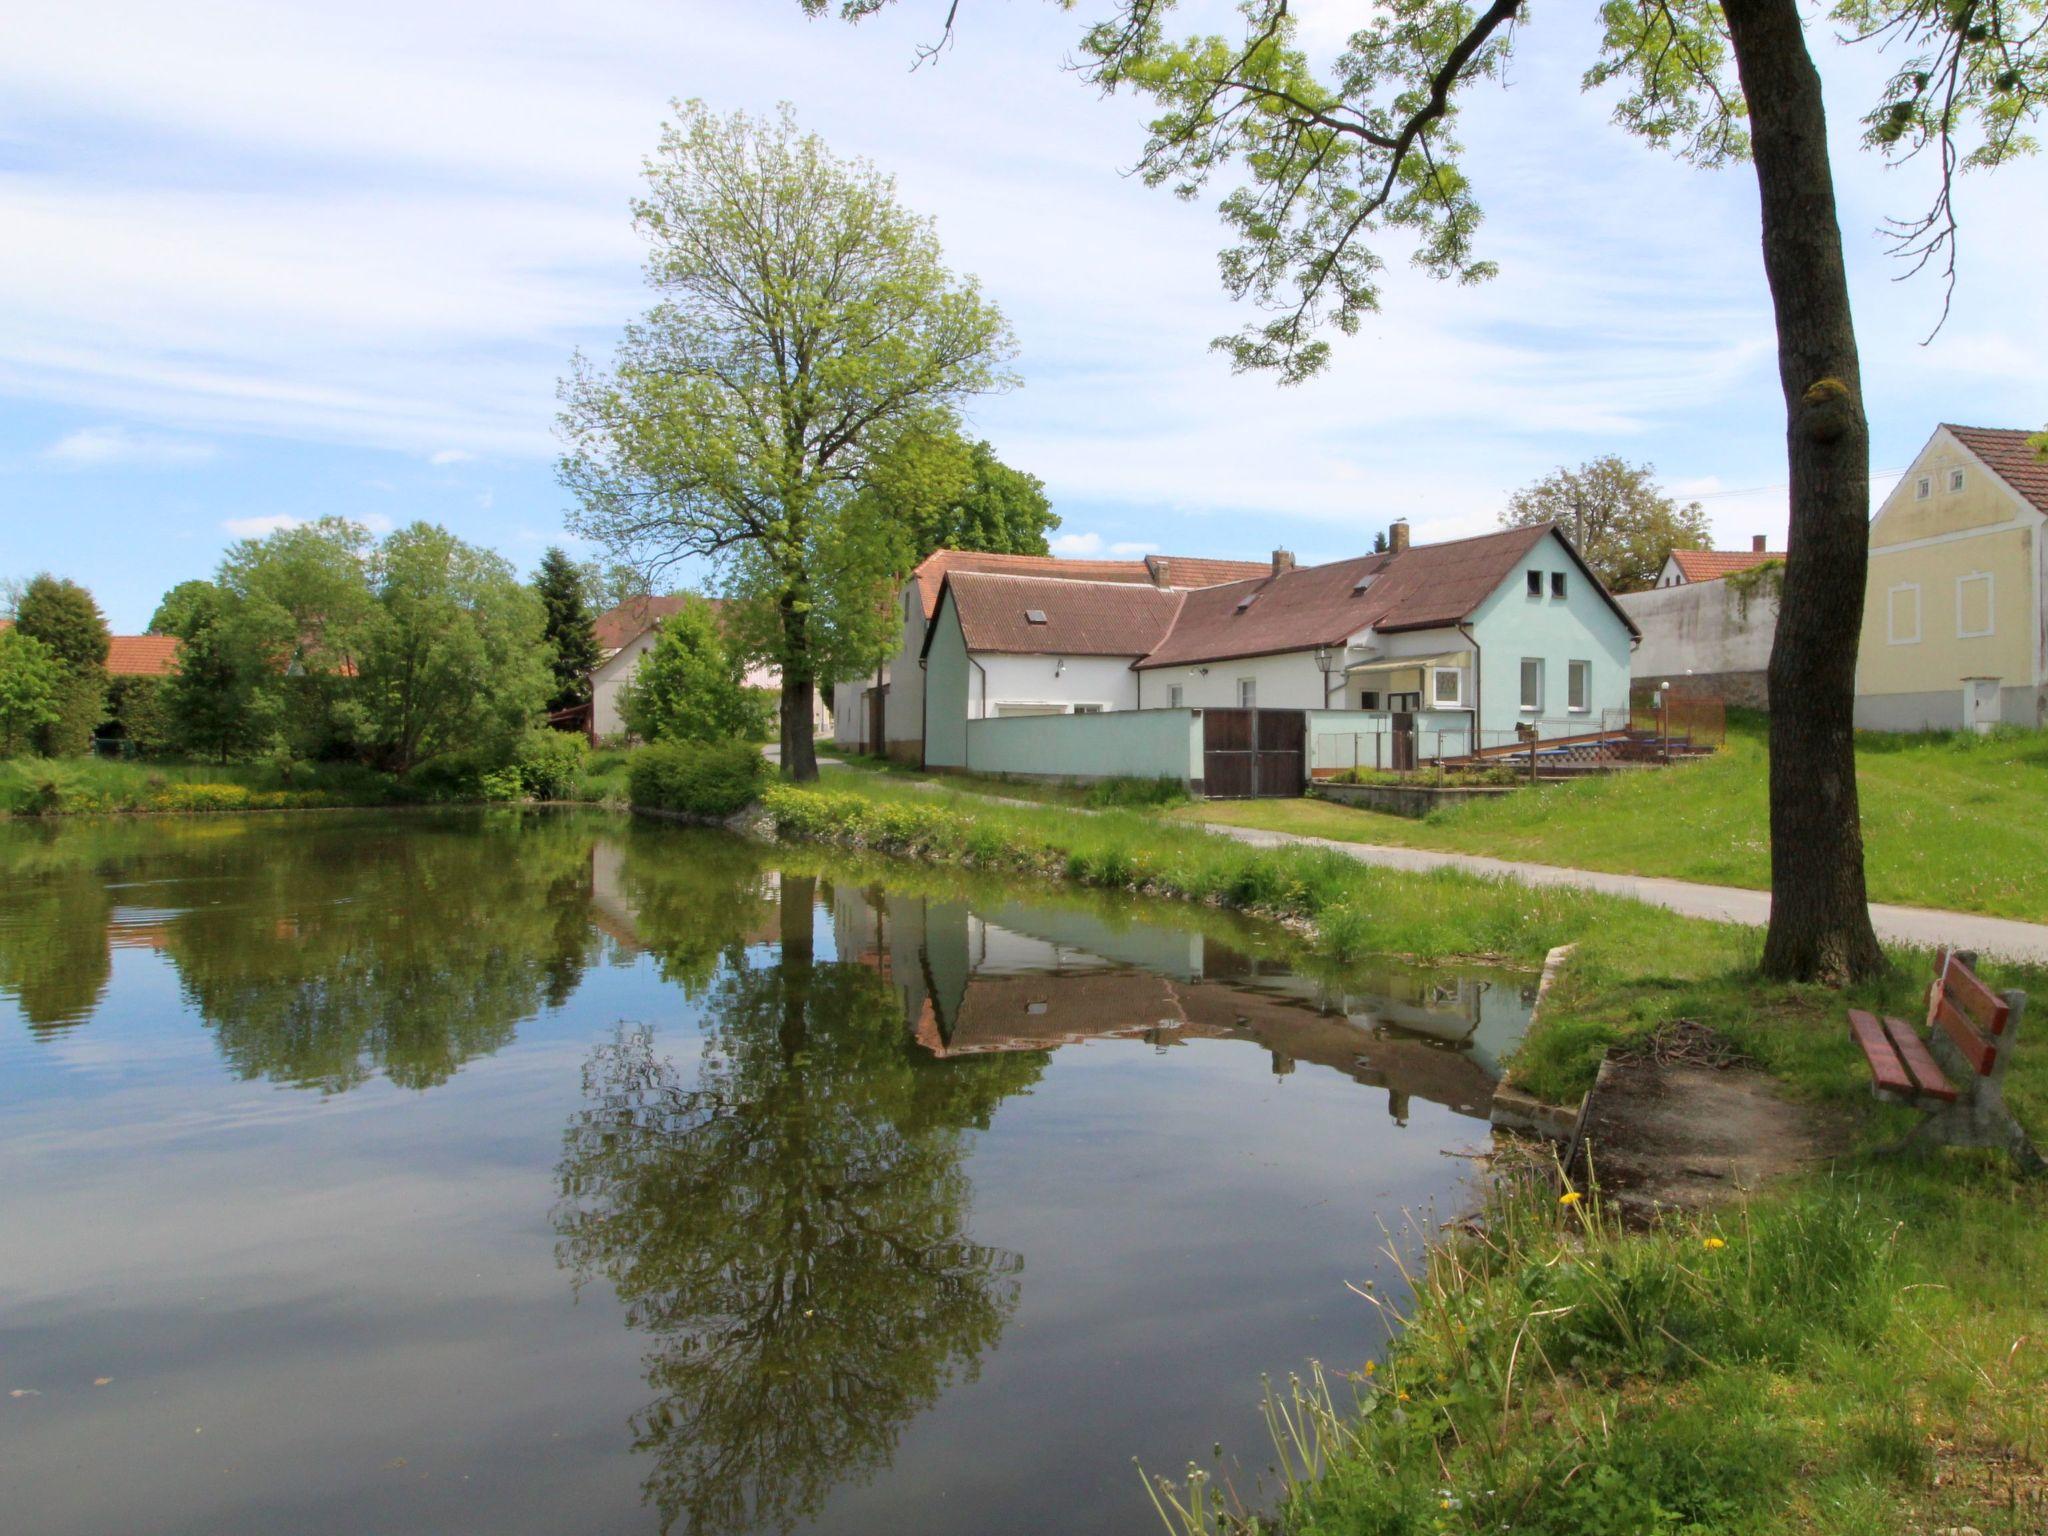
{"x": 97, "y": 786}
{"x": 1857, "y": 1352}
{"x": 1948, "y": 821}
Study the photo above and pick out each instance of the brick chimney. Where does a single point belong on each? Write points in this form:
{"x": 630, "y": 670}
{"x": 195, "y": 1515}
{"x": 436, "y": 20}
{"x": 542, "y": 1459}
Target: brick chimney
{"x": 1162, "y": 571}
{"x": 1397, "y": 535}
{"x": 1283, "y": 560}
{"x": 1758, "y": 544}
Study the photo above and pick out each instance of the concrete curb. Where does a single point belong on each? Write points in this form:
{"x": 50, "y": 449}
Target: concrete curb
{"x": 1522, "y": 1112}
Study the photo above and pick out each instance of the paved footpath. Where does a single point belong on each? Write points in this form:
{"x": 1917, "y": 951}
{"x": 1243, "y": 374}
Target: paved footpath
{"x": 1722, "y": 903}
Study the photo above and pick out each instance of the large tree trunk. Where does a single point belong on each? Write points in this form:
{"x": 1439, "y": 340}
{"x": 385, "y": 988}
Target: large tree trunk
{"x": 799, "y": 689}
{"x": 1820, "y": 917}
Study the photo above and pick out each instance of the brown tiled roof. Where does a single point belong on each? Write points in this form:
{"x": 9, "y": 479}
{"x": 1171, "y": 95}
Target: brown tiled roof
{"x": 618, "y": 627}
{"x": 2010, "y": 454}
{"x": 1181, "y": 571}
{"x": 141, "y": 655}
{"x": 1713, "y": 564}
{"x": 1425, "y": 587}
{"x": 1082, "y": 618}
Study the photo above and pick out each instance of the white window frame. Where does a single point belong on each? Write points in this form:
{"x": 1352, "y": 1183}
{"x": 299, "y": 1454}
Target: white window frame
{"x": 1581, "y": 673}
{"x": 1923, "y": 487}
{"x": 1955, "y": 480}
{"x": 1247, "y": 693}
{"x": 1990, "y": 607}
{"x": 1174, "y": 695}
{"x": 1455, "y": 698}
{"x": 1892, "y": 633}
{"x": 1527, "y": 707}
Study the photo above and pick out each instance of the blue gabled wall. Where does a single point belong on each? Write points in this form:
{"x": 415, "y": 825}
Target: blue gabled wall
{"x": 1580, "y": 626}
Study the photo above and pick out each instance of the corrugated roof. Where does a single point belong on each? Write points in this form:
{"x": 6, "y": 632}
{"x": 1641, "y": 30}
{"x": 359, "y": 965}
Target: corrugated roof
{"x": 1181, "y": 571}
{"x": 142, "y": 655}
{"x": 1081, "y": 618}
{"x": 1425, "y": 587}
{"x": 1713, "y": 564}
{"x": 2010, "y": 454}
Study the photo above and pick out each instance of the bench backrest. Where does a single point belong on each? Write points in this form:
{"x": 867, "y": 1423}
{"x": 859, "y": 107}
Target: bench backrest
{"x": 1977, "y": 1023}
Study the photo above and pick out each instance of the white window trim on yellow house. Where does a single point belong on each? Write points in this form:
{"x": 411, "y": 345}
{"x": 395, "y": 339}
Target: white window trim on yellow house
{"x": 1936, "y": 620}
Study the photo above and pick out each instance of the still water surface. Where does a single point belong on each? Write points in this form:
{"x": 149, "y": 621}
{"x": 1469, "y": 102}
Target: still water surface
{"x": 554, "y": 1173}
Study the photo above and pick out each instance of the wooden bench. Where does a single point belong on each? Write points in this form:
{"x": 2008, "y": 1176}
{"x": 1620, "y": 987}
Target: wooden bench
{"x": 1956, "y": 1073}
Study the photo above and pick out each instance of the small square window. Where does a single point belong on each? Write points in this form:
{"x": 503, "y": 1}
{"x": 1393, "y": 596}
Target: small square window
{"x": 1369, "y": 699}
{"x": 1955, "y": 479}
{"x": 1535, "y": 583}
{"x": 1923, "y": 488}
{"x": 1174, "y": 695}
{"x": 1557, "y": 583}
{"x": 1532, "y": 684}
{"x": 1447, "y": 684}
{"x": 1579, "y": 687}
{"x": 1247, "y": 693}
{"x": 1034, "y": 615}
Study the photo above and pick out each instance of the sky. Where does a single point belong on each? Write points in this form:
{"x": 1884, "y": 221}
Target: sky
{"x": 264, "y": 261}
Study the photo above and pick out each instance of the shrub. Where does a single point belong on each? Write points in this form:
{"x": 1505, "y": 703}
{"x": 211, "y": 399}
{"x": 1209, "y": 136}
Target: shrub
{"x": 479, "y": 774}
{"x": 1125, "y": 791}
{"x": 712, "y": 780}
{"x": 549, "y": 763}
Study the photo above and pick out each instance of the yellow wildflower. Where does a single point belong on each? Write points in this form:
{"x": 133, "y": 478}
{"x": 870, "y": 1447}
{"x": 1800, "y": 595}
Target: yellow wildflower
{"x": 1371, "y": 1366}
{"x": 1400, "y": 1397}
{"x": 1711, "y": 1243}
{"x": 1569, "y": 1197}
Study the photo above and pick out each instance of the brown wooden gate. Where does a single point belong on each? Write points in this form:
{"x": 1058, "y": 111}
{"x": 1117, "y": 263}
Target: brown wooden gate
{"x": 1253, "y": 753}
{"x": 1404, "y": 743}
{"x": 878, "y": 714}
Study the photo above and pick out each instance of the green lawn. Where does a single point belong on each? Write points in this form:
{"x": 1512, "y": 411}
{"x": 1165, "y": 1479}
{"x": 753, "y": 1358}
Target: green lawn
{"x": 1950, "y": 821}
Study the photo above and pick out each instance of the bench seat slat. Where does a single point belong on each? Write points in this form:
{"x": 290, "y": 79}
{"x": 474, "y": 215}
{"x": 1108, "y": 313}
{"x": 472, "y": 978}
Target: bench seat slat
{"x": 1979, "y": 1052}
{"x": 1966, "y": 989}
{"x": 1928, "y": 1077}
{"x": 1887, "y": 1071}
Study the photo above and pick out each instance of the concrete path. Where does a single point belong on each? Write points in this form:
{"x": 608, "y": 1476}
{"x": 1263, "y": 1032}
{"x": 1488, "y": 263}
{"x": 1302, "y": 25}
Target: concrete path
{"x": 1721, "y": 903}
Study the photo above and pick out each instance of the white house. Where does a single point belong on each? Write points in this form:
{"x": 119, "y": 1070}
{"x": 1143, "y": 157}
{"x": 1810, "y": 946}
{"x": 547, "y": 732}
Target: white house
{"x": 1469, "y": 641}
{"x": 1702, "y": 635}
{"x": 626, "y": 634}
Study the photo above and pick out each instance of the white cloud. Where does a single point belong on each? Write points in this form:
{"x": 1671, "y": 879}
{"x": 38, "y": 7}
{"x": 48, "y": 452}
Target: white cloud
{"x": 1130, "y": 548}
{"x": 450, "y": 456}
{"x": 118, "y": 447}
{"x": 258, "y": 527}
{"x": 1076, "y": 544}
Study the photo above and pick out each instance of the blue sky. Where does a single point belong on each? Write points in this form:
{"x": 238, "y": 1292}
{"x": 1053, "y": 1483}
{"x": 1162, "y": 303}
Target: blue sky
{"x": 268, "y": 261}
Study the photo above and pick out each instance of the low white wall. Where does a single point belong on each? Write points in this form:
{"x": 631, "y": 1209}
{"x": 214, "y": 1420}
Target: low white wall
{"x": 1344, "y": 738}
{"x": 1140, "y": 743}
{"x": 1699, "y": 628}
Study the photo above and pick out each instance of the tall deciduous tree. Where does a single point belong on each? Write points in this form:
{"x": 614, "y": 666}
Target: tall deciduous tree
{"x": 1619, "y": 521}
{"x": 571, "y": 635}
{"x": 690, "y": 687}
{"x": 210, "y": 698}
{"x": 949, "y": 493}
{"x": 806, "y": 321}
{"x": 63, "y": 617}
{"x": 1329, "y": 159}
{"x": 30, "y": 683}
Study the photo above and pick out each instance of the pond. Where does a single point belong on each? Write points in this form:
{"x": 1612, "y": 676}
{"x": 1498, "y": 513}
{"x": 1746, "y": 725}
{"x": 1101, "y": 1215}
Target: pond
{"x": 548, "y": 1172}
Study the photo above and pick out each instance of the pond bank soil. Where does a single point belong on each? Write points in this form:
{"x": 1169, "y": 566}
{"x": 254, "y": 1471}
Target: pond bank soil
{"x": 1664, "y": 1133}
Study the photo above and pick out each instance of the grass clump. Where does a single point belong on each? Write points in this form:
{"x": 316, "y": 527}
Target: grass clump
{"x": 711, "y": 781}
{"x": 1125, "y": 792}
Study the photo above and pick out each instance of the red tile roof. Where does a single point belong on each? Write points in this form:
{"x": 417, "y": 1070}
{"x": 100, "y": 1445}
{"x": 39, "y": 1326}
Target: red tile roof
{"x": 1082, "y": 618}
{"x": 2010, "y": 454}
{"x": 1181, "y": 571}
{"x": 142, "y": 655}
{"x": 1428, "y": 586}
{"x": 618, "y": 627}
{"x": 1713, "y": 564}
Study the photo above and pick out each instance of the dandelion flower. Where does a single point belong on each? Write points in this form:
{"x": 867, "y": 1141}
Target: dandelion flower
{"x": 1569, "y": 1197}
{"x": 1371, "y": 1366}
{"x": 1712, "y": 1243}
{"x": 1400, "y": 1397}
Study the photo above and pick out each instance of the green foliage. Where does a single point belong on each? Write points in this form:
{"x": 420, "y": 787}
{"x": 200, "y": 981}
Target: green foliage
{"x": 1621, "y": 524}
{"x": 1432, "y": 777}
{"x": 63, "y": 616}
{"x": 712, "y": 781}
{"x": 569, "y": 630}
{"x": 689, "y": 686}
{"x": 135, "y": 710}
{"x": 30, "y": 680}
{"x": 1135, "y": 793}
{"x": 81, "y": 706}
{"x": 953, "y": 494}
{"x": 184, "y": 607}
{"x": 451, "y": 652}
{"x": 550, "y": 763}
{"x": 210, "y": 701}
{"x": 741, "y": 414}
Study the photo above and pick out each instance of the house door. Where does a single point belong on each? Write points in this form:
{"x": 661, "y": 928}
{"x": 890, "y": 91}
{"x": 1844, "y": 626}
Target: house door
{"x": 877, "y": 742}
{"x": 1404, "y": 743}
{"x": 1982, "y": 704}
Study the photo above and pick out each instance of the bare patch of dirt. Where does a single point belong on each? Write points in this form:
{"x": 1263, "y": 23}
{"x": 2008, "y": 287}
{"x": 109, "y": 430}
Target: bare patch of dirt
{"x": 1665, "y": 1131}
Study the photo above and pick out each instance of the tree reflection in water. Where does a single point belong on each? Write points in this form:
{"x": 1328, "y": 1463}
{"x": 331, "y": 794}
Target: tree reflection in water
{"x": 789, "y": 1226}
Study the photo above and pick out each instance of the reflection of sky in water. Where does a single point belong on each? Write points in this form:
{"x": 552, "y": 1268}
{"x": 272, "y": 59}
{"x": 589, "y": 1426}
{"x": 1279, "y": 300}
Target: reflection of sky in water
{"x": 343, "y": 1310}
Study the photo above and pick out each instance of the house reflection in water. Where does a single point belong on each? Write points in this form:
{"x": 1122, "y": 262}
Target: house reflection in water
{"x": 1016, "y": 977}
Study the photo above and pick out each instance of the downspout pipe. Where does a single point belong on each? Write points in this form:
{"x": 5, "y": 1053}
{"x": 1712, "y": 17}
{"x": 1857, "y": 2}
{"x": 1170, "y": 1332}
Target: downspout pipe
{"x": 1478, "y": 700}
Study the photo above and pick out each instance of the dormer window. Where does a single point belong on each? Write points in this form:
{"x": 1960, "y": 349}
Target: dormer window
{"x": 1034, "y": 615}
{"x": 1246, "y": 601}
{"x": 1363, "y": 583}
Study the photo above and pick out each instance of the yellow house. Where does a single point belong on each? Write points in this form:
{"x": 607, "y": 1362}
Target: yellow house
{"x": 1952, "y": 615}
